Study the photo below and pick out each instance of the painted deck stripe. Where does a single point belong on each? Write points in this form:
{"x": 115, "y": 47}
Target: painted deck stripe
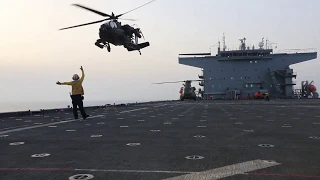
{"x": 44, "y": 125}
{"x": 13, "y": 127}
{"x": 135, "y": 171}
{"x": 283, "y": 175}
{"x": 226, "y": 171}
{"x": 133, "y": 110}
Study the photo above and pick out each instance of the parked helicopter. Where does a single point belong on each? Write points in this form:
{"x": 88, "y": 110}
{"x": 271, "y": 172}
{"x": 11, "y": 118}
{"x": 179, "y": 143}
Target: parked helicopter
{"x": 112, "y": 32}
{"x": 187, "y": 91}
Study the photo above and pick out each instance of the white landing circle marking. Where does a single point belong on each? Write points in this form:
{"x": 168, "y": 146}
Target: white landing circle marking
{"x": 286, "y": 126}
{"x": 202, "y": 120}
{"x": 40, "y": 155}
{"x": 70, "y": 130}
{"x": 18, "y": 119}
{"x": 249, "y": 130}
{"x": 296, "y": 118}
{"x": 141, "y": 120}
{"x": 152, "y": 116}
{"x": 100, "y": 123}
{"x": 94, "y": 136}
{"x": 155, "y": 130}
{"x": 88, "y": 124}
{"x": 16, "y": 143}
{"x": 194, "y": 157}
{"x": 266, "y": 145}
{"x": 174, "y": 118}
{"x": 119, "y": 118}
{"x": 143, "y": 113}
{"x": 201, "y": 126}
{"x": 4, "y": 135}
{"x": 28, "y": 121}
{"x": 199, "y": 136}
{"x": 81, "y": 177}
{"x": 314, "y": 137}
{"x": 133, "y": 144}
{"x": 37, "y": 123}
{"x": 124, "y": 126}
{"x": 238, "y": 123}
{"x": 52, "y": 126}
{"x": 316, "y": 123}
{"x": 167, "y": 123}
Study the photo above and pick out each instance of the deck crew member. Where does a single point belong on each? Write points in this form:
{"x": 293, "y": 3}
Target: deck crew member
{"x": 267, "y": 96}
{"x": 77, "y": 94}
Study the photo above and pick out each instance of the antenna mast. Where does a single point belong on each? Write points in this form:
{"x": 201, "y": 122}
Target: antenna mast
{"x": 224, "y": 42}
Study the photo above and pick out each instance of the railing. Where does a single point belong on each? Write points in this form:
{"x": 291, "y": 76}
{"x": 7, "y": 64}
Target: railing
{"x": 294, "y": 51}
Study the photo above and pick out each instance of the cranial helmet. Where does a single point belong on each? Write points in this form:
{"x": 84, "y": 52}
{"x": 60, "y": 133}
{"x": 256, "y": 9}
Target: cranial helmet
{"x": 75, "y": 77}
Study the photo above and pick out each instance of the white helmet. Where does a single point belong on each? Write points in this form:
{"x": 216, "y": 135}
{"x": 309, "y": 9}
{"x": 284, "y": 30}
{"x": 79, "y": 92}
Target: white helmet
{"x": 75, "y": 77}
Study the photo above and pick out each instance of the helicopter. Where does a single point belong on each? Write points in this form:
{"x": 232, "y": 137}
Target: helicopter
{"x": 187, "y": 91}
{"x": 112, "y": 32}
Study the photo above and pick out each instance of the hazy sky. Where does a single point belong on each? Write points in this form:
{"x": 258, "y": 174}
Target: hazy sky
{"x": 34, "y": 54}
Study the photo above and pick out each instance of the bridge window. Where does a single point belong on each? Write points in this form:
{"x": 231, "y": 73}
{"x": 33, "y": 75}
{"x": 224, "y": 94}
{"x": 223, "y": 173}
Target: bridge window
{"x": 231, "y": 77}
{"x": 255, "y": 61}
{"x": 246, "y": 85}
{"x": 251, "y": 85}
{"x": 250, "y": 61}
{"x": 240, "y": 77}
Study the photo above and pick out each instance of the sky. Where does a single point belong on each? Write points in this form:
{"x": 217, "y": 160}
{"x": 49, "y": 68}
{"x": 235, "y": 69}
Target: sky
{"x": 35, "y": 54}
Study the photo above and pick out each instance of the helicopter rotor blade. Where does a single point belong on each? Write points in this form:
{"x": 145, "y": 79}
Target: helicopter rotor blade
{"x": 128, "y": 19}
{"x": 92, "y": 10}
{"x": 169, "y": 82}
{"x": 135, "y": 8}
{"x": 84, "y": 24}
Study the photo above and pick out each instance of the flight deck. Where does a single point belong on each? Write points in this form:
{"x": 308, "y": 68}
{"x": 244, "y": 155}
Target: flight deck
{"x": 189, "y": 140}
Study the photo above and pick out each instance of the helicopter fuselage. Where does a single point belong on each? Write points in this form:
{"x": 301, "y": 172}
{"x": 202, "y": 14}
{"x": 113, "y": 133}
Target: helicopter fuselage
{"x": 112, "y": 32}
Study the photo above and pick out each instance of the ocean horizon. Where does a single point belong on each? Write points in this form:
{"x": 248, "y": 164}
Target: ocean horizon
{"x": 33, "y": 106}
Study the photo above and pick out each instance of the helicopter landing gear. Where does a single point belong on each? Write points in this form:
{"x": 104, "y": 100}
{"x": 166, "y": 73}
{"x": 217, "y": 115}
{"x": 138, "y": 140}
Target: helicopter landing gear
{"x": 108, "y": 47}
{"x": 139, "y": 52}
{"x": 102, "y": 44}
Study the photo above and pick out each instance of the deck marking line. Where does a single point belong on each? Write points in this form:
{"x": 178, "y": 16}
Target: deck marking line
{"x": 283, "y": 175}
{"x": 134, "y": 171}
{"x": 226, "y": 171}
{"x": 133, "y": 110}
{"x": 13, "y": 127}
{"x": 44, "y": 125}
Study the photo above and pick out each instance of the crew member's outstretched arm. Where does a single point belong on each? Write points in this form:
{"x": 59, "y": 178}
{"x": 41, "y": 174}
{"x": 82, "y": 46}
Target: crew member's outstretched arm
{"x": 82, "y": 76}
{"x": 64, "y": 83}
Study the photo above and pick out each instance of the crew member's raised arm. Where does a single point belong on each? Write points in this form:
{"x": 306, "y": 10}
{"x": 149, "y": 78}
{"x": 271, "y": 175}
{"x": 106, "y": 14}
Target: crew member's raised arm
{"x": 82, "y": 76}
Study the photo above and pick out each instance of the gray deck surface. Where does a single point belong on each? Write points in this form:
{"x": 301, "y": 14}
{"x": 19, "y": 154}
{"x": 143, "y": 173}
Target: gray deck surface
{"x": 230, "y": 133}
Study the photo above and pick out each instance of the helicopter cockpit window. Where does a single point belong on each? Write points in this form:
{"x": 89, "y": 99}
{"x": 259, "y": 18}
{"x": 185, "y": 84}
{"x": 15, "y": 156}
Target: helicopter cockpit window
{"x": 112, "y": 24}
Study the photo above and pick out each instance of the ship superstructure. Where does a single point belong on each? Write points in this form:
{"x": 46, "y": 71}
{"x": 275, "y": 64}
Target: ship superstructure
{"x": 244, "y": 71}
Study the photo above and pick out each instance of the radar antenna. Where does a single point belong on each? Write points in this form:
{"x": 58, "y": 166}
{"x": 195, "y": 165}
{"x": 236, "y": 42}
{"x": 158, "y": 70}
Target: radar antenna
{"x": 243, "y": 44}
{"x": 261, "y": 44}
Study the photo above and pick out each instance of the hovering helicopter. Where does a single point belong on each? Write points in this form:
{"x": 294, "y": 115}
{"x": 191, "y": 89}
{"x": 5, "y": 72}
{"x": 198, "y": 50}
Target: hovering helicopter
{"x": 112, "y": 32}
{"x": 186, "y": 92}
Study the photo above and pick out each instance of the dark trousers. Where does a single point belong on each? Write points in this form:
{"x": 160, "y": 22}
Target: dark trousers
{"x": 267, "y": 98}
{"x": 77, "y": 101}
